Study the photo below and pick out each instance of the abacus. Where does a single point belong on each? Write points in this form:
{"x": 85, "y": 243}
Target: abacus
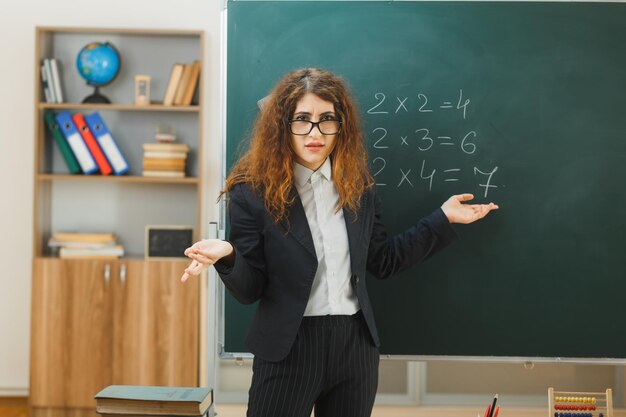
{"x": 580, "y": 404}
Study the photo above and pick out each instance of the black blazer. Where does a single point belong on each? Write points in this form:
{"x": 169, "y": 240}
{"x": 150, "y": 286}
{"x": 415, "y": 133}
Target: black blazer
{"x": 276, "y": 263}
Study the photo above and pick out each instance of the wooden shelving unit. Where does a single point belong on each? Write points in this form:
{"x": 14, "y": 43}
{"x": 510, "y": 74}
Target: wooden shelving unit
{"x": 128, "y": 321}
{"x": 151, "y": 52}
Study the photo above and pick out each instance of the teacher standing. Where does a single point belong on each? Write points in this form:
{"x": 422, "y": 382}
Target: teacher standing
{"x": 306, "y": 225}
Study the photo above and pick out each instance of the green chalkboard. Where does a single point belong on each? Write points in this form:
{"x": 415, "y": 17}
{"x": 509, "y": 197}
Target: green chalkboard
{"x": 523, "y": 104}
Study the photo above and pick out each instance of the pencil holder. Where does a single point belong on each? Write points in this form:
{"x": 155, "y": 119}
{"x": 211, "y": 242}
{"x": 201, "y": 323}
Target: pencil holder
{"x": 580, "y": 404}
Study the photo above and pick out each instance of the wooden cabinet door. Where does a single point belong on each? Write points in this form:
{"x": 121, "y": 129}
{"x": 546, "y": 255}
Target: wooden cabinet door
{"x": 71, "y": 348}
{"x": 155, "y": 324}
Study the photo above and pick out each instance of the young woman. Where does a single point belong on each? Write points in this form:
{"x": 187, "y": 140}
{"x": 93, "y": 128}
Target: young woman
{"x": 305, "y": 227}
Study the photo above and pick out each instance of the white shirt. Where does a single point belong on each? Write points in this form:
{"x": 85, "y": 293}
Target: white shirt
{"x": 331, "y": 292}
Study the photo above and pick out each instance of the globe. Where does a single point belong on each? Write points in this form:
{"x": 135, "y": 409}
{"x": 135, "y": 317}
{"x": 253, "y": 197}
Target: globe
{"x": 99, "y": 64}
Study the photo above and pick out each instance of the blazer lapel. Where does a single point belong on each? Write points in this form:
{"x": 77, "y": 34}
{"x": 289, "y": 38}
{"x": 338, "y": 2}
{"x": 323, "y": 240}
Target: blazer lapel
{"x": 298, "y": 225}
{"x": 354, "y": 227}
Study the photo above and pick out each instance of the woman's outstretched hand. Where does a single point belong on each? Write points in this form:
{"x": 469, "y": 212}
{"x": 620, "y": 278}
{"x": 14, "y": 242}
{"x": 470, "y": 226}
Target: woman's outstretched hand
{"x": 457, "y": 212}
{"x": 205, "y": 253}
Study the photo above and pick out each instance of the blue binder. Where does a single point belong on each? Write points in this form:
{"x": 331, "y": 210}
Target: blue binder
{"x": 76, "y": 142}
{"x": 107, "y": 143}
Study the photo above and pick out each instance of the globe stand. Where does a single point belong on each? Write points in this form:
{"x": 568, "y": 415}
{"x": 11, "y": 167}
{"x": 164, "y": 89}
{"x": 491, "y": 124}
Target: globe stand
{"x": 96, "y": 97}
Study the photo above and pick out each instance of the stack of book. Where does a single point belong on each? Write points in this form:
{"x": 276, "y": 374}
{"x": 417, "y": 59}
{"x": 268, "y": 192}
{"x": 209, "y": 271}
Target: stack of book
{"x": 164, "y": 159}
{"x": 149, "y": 401}
{"x": 86, "y": 245}
{"x": 182, "y": 84}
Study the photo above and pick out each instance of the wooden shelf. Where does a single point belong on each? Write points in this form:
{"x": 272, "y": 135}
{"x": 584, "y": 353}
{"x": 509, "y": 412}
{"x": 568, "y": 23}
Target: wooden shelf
{"x": 117, "y": 178}
{"x": 131, "y": 257}
{"x": 121, "y": 31}
{"x": 131, "y": 107}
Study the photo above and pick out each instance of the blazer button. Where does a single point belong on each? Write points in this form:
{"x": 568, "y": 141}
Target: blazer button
{"x": 356, "y": 279}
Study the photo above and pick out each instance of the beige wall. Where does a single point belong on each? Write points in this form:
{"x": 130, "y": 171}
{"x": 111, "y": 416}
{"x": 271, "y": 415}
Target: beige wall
{"x": 17, "y": 30}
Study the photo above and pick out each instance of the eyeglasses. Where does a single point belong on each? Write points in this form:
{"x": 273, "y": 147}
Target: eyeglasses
{"x": 304, "y": 127}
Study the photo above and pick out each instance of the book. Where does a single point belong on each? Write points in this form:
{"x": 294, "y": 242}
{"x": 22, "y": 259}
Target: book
{"x": 192, "y": 84}
{"x": 166, "y": 147}
{"x": 59, "y": 139}
{"x": 182, "y": 85}
{"x": 83, "y": 237}
{"x": 163, "y": 174}
{"x": 94, "y": 148}
{"x": 206, "y": 414}
{"x": 151, "y": 400}
{"x": 172, "y": 85}
{"x": 108, "y": 252}
{"x": 56, "y": 80}
{"x": 107, "y": 143}
{"x": 165, "y": 154}
{"x": 48, "y": 69}
{"x": 76, "y": 142}
{"x": 46, "y": 85}
{"x": 163, "y": 164}
{"x": 53, "y": 243}
{"x": 139, "y": 415}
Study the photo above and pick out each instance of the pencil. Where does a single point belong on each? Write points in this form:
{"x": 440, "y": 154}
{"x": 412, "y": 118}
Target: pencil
{"x": 493, "y": 406}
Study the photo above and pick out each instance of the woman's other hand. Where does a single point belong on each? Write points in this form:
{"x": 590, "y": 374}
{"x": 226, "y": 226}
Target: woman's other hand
{"x": 457, "y": 212}
{"x": 205, "y": 253}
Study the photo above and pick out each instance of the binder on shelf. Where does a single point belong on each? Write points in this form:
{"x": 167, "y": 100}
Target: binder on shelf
{"x": 56, "y": 80}
{"x": 172, "y": 85}
{"x": 64, "y": 147}
{"x": 94, "y": 148}
{"x": 76, "y": 142}
{"x": 107, "y": 143}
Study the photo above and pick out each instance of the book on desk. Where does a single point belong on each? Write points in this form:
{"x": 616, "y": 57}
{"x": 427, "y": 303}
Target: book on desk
{"x": 134, "y": 400}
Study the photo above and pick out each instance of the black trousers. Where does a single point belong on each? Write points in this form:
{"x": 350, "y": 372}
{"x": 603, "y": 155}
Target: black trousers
{"x": 333, "y": 365}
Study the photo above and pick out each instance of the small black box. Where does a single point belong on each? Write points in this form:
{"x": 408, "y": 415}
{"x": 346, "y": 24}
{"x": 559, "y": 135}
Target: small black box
{"x": 168, "y": 241}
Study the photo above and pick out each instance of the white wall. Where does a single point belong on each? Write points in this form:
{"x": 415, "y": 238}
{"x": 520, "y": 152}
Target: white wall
{"x": 17, "y": 42}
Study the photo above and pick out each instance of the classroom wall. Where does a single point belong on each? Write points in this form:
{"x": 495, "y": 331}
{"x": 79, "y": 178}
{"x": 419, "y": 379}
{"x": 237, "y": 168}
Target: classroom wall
{"x": 17, "y": 42}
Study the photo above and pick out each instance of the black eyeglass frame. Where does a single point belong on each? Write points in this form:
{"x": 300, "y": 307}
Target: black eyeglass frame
{"x": 314, "y": 124}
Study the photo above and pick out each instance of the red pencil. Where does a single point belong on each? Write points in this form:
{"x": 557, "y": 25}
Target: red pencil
{"x": 495, "y": 413}
{"x": 488, "y": 410}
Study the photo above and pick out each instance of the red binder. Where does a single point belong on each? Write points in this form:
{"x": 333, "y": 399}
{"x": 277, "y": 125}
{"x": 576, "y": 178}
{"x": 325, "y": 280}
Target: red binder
{"x": 94, "y": 148}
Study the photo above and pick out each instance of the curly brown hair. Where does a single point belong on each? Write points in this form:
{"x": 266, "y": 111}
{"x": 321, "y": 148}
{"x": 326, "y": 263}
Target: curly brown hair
{"x": 267, "y": 166}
